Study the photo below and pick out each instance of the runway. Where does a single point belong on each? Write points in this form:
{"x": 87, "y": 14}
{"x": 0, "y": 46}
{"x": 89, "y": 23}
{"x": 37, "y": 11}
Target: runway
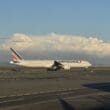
{"x": 40, "y": 89}
{"x": 46, "y": 97}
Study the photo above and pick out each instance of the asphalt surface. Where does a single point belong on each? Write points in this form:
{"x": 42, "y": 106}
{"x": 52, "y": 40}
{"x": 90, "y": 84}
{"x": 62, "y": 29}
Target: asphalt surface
{"x": 39, "y": 89}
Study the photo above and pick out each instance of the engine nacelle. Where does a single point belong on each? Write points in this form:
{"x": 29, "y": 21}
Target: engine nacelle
{"x": 66, "y": 67}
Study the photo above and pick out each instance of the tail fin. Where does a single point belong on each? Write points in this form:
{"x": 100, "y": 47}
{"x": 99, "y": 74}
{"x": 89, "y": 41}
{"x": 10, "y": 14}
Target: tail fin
{"x": 15, "y": 56}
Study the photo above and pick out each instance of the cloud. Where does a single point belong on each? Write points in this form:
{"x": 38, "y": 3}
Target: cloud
{"x": 58, "y": 43}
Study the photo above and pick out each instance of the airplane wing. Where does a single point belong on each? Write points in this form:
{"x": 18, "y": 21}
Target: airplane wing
{"x": 56, "y": 63}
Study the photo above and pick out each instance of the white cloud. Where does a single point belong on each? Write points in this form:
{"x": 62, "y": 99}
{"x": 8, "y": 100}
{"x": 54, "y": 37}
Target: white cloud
{"x": 59, "y": 43}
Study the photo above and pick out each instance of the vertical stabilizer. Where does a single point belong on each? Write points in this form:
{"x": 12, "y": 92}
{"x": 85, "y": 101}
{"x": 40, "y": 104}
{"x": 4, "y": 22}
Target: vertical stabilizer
{"x": 15, "y": 56}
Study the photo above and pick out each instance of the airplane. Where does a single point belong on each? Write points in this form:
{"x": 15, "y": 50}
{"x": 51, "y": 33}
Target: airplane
{"x": 48, "y": 64}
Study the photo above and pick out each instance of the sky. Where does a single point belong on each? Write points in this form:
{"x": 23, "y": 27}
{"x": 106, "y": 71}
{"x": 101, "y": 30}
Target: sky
{"x": 76, "y": 17}
{"x": 80, "y": 25}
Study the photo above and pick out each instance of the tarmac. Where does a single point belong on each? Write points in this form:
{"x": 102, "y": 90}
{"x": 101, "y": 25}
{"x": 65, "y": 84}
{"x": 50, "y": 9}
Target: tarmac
{"x": 39, "y": 89}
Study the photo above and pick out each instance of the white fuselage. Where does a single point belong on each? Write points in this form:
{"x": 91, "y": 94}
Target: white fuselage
{"x": 67, "y": 64}
{"x": 75, "y": 63}
{"x": 36, "y": 63}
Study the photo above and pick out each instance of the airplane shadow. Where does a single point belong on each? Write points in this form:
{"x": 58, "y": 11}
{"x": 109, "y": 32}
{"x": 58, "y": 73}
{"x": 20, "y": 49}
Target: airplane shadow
{"x": 104, "y": 102}
{"x": 100, "y": 86}
{"x": 66, "y": 105}
{"x": 105, "y": 87}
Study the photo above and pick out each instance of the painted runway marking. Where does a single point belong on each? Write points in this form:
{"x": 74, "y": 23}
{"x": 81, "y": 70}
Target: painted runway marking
{"x": 70, "y": 98}
{"x": 43, "y": 92}
{"x": 86, "y": 95}
{"x": 12, "y": 100}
